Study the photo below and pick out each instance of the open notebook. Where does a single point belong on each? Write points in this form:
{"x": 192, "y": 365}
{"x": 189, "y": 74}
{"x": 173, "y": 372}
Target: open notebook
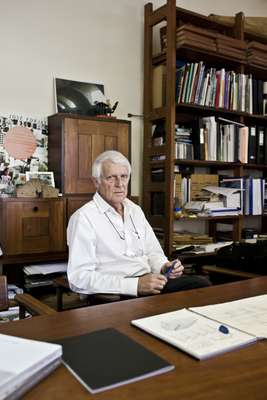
{"x": 204, "y": 332}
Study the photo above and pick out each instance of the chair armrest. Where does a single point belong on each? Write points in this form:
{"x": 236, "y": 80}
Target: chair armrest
{"x": 34, "y": 306}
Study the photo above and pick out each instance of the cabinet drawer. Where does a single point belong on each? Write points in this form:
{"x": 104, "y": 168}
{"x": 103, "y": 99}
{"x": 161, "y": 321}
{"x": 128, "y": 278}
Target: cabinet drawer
{"x": 36, "y": 226}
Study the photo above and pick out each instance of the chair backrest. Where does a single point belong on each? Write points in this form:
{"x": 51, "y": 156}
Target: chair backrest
{"x": 3, "y": 293}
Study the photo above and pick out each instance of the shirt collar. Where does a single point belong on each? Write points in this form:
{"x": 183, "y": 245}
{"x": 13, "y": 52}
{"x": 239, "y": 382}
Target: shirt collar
{"x": 103, "y": 206}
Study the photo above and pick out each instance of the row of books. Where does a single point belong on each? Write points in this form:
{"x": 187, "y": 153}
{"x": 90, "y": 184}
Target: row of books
{"x": 228, "y": 141}
{"x": 197, "y": 84}
{"x": 218, "y": 139}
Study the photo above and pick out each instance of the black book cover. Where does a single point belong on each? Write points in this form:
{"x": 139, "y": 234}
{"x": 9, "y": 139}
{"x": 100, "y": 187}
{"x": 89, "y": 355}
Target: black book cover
{"x": 252, "y": 145}
{"x": 106, "y": 358}
{"x": 265, "y": 146}
{"x": 255, "y": 96}
{"x": 198, "y": 139}
{"x": 260, "y": 145}
{"x": 260, "y": 96}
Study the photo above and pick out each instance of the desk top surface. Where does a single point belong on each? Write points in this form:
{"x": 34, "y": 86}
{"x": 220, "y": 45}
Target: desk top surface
{"x": 241, "y": 373}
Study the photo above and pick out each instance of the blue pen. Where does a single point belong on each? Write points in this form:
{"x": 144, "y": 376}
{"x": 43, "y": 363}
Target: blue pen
{"x": 223, "y": 329}
{"x": 170, "y": 268}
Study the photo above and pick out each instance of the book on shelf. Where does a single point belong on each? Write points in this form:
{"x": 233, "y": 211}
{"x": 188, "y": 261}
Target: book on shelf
{"x": 261, "y": 144}
{"x": 253, "y": 197}
{"x": 197, "y": 335}
{"x": 107, "y": 358}
{"x": 197, "y": 84}
{"x": 252, "y": 145}
{"x": 159, "y": 86}
{"x": 23, "y": 363}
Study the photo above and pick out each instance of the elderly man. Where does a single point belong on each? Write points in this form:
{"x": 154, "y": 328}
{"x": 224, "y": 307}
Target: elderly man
{"x": 112, "y": 247}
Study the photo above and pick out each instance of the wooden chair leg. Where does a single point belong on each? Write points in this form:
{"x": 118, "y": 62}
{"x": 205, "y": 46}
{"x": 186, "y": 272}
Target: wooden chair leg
{"x": 22, "y": 312}
{"x": 59, "y": 294}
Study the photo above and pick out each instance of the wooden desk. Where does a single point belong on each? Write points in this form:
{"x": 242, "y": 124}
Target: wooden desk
{"x": 239, "y": 374}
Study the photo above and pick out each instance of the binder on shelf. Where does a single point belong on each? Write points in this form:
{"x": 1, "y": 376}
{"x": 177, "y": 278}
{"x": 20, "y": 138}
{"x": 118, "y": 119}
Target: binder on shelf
{"x": 252, "y": 145}
{"x": 260, "y": 144}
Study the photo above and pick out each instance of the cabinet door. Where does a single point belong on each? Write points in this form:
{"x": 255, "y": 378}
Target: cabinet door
{"x": 74, "y": 203}
{"x": 84, "y": 140}
{"x": 35, "y": 227}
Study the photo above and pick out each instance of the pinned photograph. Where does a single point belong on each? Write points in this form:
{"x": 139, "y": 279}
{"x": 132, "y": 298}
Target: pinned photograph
{"x": 46, "y": 177}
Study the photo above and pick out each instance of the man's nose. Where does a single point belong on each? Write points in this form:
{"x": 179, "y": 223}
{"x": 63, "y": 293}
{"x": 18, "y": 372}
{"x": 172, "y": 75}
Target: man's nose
{"x": 118, "y": 181}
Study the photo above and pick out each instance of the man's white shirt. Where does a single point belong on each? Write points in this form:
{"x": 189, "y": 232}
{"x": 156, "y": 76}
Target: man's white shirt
{"x": 107, "y": 253}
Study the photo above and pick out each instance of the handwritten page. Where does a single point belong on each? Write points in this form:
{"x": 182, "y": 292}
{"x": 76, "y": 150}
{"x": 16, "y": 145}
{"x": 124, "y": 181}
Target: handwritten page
{"x": 248, "y": 315}
{"x": 193, "y": 333}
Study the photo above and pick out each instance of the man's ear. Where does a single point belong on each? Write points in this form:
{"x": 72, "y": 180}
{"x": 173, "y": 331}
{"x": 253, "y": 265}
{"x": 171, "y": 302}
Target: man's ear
{"x": 94, "y": 181}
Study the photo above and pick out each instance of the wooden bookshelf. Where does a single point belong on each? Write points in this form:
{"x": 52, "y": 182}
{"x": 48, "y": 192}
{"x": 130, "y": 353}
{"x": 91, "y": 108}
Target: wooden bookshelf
{"x": 172, "y": 112}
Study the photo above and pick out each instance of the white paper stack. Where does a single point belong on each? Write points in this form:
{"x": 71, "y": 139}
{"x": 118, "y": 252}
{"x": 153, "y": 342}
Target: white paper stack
{"x": 23, "y": 363}
{"x": 45, "y": 269}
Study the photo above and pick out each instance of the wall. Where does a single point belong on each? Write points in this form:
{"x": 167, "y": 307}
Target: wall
{"x": 86, "y": 40}
{"x": 251, "y": 8}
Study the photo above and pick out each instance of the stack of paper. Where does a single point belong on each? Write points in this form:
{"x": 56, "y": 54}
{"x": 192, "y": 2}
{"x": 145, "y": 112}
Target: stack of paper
{"x": 23, "y": 363}
{"x": 45, "y": 269}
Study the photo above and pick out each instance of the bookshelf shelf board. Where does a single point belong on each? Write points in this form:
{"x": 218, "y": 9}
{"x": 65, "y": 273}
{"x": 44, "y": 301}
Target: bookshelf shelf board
{"x": 219, "y": 164}
{"x": 160, "y": 113}
{"x": 158, "y": 164}
{"x": 217, "y": 111}
{"x": 210, "y": 218}
{"x": 192, "y": 54}
{"x": 157, "y": 150}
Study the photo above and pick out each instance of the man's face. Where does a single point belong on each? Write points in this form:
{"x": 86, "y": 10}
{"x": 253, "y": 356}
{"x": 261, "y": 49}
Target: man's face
{"x": 113, "y": 186}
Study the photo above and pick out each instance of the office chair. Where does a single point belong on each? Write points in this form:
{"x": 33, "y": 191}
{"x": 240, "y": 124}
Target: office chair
{"x": 62, "y": 286}
{"x": 25, "y": 302}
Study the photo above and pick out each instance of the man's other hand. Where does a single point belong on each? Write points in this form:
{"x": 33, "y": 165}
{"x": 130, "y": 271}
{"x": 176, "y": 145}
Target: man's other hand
{"x": 151, "y": 284}
{"x": 175, "y": 272}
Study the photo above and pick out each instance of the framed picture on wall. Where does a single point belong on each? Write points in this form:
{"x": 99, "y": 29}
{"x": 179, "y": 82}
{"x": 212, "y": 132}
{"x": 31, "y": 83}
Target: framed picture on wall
{"x": 74, "y": 97}
{"x": 46, "y": 177}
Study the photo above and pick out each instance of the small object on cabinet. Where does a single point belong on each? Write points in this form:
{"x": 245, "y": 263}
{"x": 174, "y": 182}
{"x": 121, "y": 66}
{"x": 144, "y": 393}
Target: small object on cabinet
{"x": 36, "y": 188}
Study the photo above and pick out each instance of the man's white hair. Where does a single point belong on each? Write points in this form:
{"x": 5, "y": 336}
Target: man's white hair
{"x": 110, "y": 155}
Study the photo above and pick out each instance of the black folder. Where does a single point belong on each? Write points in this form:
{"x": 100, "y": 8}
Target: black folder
{"x": 107, "y": 358}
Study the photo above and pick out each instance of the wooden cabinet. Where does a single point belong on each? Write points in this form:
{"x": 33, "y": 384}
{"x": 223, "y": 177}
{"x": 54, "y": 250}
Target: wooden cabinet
{"x": 75, "y": 141}
{"x": 32, "y": 225}
{"x": 76, "y": 202}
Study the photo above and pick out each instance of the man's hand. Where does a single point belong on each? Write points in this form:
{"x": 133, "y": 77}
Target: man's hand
{"x": 176, "y": 270}
{"x": 151, "y": 284}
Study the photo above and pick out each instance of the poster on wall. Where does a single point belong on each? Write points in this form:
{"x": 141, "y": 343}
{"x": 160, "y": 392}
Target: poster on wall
{"x": 75, "y": 97}
{"x": 16, "y": 167}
